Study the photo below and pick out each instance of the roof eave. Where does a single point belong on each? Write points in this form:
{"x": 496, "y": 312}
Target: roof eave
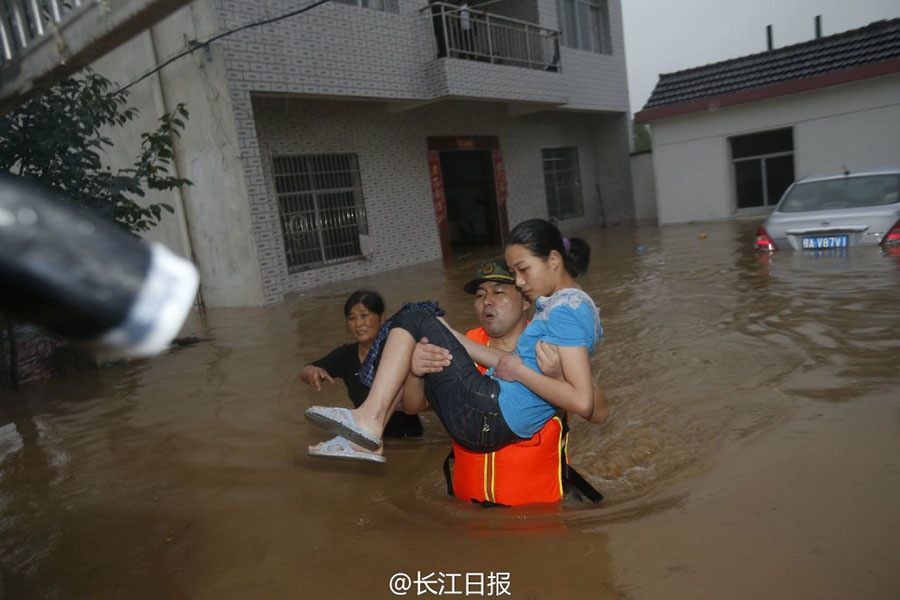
{"x": 795, "y": 86}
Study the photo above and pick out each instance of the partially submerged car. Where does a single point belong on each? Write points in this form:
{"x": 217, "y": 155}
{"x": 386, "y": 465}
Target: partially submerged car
{"x": 836, "y": 211}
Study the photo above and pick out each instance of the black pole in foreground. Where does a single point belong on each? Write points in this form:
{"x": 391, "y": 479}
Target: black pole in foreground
{"x": 84, "y": 278}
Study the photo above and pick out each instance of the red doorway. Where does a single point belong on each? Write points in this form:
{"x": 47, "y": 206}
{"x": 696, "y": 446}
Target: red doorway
{"x": 468, "y": 183}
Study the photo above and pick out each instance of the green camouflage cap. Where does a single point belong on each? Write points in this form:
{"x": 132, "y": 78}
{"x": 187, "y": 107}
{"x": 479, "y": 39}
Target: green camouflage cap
{"x": 491, "y": 270}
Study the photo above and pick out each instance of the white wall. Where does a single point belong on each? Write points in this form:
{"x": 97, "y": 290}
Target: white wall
{"x": 227, "y": 219}
{"x": 340, "y": 50}
{"x": 643, "y": 187}
{"x": 595, "y": 81}
{"x": 212, "y": 220}
{"x": 855, "y": 124}
{"x": 359, "y": 55}
{"x": 692, "y": 181}
{"x": 392, "y": 153}
{"x": 856, "y": 139}
{"x": 121, "y": 66}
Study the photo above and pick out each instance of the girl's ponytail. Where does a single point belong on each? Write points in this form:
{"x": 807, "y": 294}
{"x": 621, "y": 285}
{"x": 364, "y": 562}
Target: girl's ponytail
{"x": 577, "y": 255}
{"x": 541, "y": 237}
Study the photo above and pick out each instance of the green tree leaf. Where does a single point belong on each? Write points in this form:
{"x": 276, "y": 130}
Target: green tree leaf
{"x": 55, "y": 138}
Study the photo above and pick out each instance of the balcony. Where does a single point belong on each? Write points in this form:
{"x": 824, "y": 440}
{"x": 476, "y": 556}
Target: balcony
{"x": 475, "y": 51}
{"x": 43, "y": 41}
{"x": 478, "y": 35}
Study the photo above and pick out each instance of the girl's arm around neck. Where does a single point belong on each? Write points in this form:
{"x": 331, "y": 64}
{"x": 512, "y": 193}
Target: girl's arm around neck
{"x": 483, "y": 355}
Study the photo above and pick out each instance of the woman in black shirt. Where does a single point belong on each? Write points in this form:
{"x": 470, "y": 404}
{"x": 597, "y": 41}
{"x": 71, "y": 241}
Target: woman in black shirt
{"x": 364, "y": 311}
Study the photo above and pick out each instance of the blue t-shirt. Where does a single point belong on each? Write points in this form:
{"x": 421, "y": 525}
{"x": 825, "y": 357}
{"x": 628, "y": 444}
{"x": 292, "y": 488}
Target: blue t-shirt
{"x": 567, "y": 318}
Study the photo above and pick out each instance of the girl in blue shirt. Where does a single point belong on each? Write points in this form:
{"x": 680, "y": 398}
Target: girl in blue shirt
{"x": 514, "y": 400}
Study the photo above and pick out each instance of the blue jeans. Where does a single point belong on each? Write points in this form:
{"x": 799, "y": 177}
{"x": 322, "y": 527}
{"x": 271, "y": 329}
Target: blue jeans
{"x": 466, "y": 402}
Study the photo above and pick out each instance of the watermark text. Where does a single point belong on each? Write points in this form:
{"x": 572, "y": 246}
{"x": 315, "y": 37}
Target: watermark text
{"x": 424, "y": 583}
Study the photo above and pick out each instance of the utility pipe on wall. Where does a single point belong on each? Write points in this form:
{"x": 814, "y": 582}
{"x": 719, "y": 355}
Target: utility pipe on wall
{"x": 162, "y": 106}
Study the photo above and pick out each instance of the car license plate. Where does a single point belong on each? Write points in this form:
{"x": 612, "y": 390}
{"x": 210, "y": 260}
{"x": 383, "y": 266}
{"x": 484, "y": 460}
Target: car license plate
{"x": 824, "y": 241}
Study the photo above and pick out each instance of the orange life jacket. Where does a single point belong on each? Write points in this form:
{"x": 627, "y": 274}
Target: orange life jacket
{"x": 526, "y": 472}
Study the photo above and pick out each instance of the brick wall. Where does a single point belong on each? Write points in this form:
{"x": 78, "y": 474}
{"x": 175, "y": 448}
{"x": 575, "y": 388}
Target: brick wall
{"x": 39, "y": 355}
{"x": 596, "y": 81}
{"x": 611, "y": 143}
{"x": 341, "y": 50}
{"x": 333, "y": 49}
{"x": 391, "y": 148}
{"x": 472, "y": 79}
{"x": 336, "y": 54}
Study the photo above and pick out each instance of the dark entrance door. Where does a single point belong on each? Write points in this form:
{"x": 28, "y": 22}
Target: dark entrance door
{"x": 468, "y": 186}
{"x": 471, "y": 199}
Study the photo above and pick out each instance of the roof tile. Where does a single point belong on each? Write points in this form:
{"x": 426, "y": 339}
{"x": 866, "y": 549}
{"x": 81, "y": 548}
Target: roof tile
{"x": 876, "y": 42}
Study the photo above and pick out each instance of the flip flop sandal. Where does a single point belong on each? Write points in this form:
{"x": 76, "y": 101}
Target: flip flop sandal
{"x": 340, "y": 421}
{"x": 340, "y": 448}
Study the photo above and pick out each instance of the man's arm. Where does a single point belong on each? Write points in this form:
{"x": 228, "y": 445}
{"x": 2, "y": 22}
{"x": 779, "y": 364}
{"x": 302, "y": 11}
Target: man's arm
{"x": 426, "y": 358}
{"x": 483, "y": 355}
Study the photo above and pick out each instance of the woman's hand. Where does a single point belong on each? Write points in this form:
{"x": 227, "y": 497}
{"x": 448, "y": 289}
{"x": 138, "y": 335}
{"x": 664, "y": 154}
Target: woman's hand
{"x": 314, "y": 376}
{"x": 508, "y": 368}
{"x": 548, "y": 360}
{"x": 428, "y": 358}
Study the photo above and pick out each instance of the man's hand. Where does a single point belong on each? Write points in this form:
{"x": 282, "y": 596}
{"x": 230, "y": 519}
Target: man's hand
{"x": 428, "y": 358}
{"x": 508, "y": 367}
{"x": 548, "y": 360}
{"x": 316, "y": 375}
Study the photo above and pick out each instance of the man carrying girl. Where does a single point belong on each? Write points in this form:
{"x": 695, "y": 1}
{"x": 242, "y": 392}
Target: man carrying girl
{"x": 514, "y": 400}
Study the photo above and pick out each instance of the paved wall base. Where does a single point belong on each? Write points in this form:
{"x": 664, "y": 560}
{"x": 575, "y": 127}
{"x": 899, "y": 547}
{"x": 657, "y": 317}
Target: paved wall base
{"x": 39, "y": 356}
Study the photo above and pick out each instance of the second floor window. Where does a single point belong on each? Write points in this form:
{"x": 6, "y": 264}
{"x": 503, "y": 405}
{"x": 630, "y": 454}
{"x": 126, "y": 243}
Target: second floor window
{"x": 321, "y": 209}
{"x": 585, "y": 25}
{"x": 562, "y": 183}
{"x": 376, "y": 4}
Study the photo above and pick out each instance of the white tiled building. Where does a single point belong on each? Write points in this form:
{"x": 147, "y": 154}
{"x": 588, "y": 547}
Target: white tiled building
{"x": 730, "y": 137}
{"x": 365, "y": 135}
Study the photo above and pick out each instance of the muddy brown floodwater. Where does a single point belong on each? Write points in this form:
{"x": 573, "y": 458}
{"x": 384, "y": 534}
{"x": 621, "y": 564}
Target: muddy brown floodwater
{"x": 753, "y": 449}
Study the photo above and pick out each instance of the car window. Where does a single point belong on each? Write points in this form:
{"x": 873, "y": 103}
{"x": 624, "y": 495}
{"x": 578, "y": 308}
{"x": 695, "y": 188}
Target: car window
{"x": 849, "y": 192}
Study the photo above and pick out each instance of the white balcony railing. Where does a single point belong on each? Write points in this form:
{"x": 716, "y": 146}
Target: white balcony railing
{"x": 478, "y": 35}
{"x": 24, "y": 22}
{"x": 44, "y": 41}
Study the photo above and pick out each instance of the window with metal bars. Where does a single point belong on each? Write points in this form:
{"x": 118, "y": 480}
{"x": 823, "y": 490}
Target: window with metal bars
{"x": 321, "y": 208}
{"x": 562, "y": 182}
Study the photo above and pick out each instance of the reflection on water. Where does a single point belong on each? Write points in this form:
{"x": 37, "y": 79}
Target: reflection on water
{"x": 186, "y": 476}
